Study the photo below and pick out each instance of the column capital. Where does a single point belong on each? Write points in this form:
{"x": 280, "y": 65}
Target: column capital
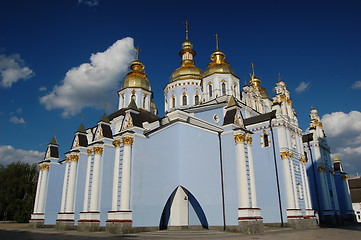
{"x": 44, "y": 167}
{"x": 128, "y": 141}
{"x": 344, "y": 177}
{"x": 89, "y": 151}
{"x": 98, "y": 150}
{"x": 249, "y": 140}
{"x": 321, "y": 168}
{"x": 302, "y": 160}
{"x": 284, "y": 155}
{"x": 67, "y": 159}
{"x": 116, "y": 143}
{"x": 74, "y": 158}
{"x": 239, "y": 138}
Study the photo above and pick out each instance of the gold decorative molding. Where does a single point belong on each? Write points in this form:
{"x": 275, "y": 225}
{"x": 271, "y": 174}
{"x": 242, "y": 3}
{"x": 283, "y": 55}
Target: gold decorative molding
{"x": 116, "y": 143}
{"x": 67, "y": 159}
{"x": 284, "y": 155}
{"x": 98, "y": 150}
{"x": 249, "y": 140}
{"x": 321, "y": 168}
{"x": 282, "y": 97}
{"x": 74, "y": 158}
{"x": 302, "y": 160}
{"x": 290, "y": 155}
{"x": 344, "y": 177}
{"x": 332, "y": 172}
{"x": 44, "y": 167}
{"x": 128, "y": 141}
{"x": 89, "y": 151}
{"x": 239, "y": 138}
{"x": 289, "y": 101}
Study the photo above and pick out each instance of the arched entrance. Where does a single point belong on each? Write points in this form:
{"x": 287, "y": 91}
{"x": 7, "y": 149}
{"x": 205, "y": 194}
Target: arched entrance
{"x": 177, "y": 211}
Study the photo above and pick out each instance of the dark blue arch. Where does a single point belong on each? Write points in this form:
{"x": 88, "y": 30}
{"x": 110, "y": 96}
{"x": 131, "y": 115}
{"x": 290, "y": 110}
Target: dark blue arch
{"x": 164, "y": 220}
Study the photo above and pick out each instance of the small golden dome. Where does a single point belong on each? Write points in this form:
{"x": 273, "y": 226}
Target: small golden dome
{"x": 187, "y": 70}
{"x": 218, "y": 64}
{"x": 136, "y": 78}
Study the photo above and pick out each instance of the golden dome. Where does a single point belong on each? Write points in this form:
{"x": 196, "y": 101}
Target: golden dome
{"x": 136, "y": 78}
{"x": 187, "y": 70}
{"x": 218, "y": 64}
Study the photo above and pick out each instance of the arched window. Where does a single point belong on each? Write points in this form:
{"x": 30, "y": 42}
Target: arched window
{"x": 210, "y": 90}
{"x": 144, "y": 98}
{"x": 224, "y": 89}
{"x": 196, "y": 100}
{"x": 184, "y": 100}
{"x": 265, "y": 140}
{"x": 173, "y": 102}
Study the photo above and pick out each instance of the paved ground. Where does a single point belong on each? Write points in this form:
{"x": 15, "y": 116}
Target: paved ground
{"x": 23, "y": 232}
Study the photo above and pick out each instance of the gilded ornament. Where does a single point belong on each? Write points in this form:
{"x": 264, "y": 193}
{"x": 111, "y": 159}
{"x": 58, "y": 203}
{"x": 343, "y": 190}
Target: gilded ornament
{"x": 321, "y": 169}
{"x": 290, "y": 155}
{"x": 239, "y": 138}
{"x": 89, "y": 151}
{"x": 74, "y": 158}
{"x": 44, "y": 167}
{"x": 284, "y": 155}
{"x": 67, "y": 159}
{"x": 249, "y": 140}
{"x": 344, "y": 177}
{"x": 282, "y": 97}
{"x": 116, "y": 143}
{"x": 128, "y": 141}
{"x": 98, "y": 150}
{"x": 289, "y": 101}
{"x": 332, "y": 172}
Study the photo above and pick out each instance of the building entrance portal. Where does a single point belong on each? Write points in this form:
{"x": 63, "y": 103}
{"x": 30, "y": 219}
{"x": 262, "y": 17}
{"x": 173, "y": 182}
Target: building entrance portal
{"x": 182, "y": 209}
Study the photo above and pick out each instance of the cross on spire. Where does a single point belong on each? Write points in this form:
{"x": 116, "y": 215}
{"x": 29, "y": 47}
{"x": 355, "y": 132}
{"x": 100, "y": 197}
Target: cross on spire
{"x": 187, "y": 29}
{"x": 252, "y": 65}
{"x": 137, "y": 54}
{"x": 279, "y": 77}
{"x": 217, "y": 40}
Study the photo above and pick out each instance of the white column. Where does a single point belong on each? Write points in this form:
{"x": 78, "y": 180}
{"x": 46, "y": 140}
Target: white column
{"x": 241, "y": 171}
{"x": 125, "y": 185}
{"x": 38, "y": 190}
{"x": 297, "y": 206}
{"x": 251, "y": 172}
{"x": 42, "y": 193}
{"x": 116, "y": 143}
{"x": 65, "y": 183}
{"x": 288, "y": 180}
{"x": 306, "y": 197}
{"x": 86, "y": 190}
{"x": 69, "y": 207}
{"x": 321, "y": 170}
{"x": 94, "y": 196}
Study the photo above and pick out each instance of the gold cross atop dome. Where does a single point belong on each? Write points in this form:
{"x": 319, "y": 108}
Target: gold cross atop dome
{"x": 137, "y": 54}
{"x": 217, "y": 40}
{"x": 187, "y": 29}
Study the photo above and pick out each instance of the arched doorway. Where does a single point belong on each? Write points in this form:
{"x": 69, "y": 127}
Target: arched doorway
{"x": 177, "y": 211}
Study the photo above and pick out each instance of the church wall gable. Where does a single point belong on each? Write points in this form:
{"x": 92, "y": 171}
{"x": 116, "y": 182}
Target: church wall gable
{"x": 213, "y": 116}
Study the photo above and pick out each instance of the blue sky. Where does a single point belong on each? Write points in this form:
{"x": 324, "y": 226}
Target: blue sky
{"x": 315, "y": 45}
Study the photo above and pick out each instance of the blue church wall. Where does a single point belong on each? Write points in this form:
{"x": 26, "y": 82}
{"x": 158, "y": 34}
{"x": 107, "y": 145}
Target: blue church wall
{"x": 209, "y": 116}
{"x": 340, "y": 188}
{"x": 196, "y": 169}
{"x": 106, "y": 184}
{"x": 80, "y": 185}
{"x": 230, "y": 179}
{"x": 53, "y": 193}
{"x": 265, "y": 177}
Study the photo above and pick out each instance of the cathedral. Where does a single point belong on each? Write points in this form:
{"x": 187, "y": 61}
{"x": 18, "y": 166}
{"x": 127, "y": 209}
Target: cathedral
{"x": 223, "y": 156}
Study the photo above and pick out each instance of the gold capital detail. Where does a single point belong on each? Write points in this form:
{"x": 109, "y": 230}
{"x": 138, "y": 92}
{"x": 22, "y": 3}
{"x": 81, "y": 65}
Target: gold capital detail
{"x": 321, "y": 169}
{"x": 98, "y": 150}
{"x": 44, "y": 167}
{"x": 67, "y": 159}
{"x": 249, "y": 140}
{"x": 303, "y": 160}
{"x": 239, "y": 138}
{"x": 128, "y": 141}
{"x": 116, "y": 143}
{"x": 289, "y": 101}
{"x": 74, "y": 158}
{"x": 283, "y": 97}
{"x": 284, "y": 155}
{"x": 344, "y": 177}
{"x": 89, "y": 151}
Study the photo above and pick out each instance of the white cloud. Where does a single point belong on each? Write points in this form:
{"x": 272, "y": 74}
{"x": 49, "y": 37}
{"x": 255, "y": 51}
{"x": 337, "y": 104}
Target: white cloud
{"x": 357, "y": 85}
{"x": 8, "y": 155}
{"x": 12, "y": 69}
{"x": 42, "y": 89}
{"x": 92, "y": 84}
{"x": 303, "y": 86}
{"x": 89, "y": 3}
{"x": 17, "y": 120}
{"x": 343, "y": 131}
